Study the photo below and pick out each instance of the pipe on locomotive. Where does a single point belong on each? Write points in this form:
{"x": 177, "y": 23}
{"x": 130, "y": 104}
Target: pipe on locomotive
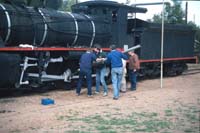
{"x": 44, "y": 27}
{"x": 132, "y": 48}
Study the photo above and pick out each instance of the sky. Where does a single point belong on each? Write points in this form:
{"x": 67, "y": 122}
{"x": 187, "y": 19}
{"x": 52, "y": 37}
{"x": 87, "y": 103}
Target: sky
{"x": 193, "y": 9}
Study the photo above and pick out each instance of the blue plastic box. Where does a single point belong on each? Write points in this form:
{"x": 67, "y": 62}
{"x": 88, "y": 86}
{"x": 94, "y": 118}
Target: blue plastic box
{"x": 47, "y": 101}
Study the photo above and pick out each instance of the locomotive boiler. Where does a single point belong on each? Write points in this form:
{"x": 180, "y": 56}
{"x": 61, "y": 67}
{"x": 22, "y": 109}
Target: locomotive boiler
{"x": 43, "y": 45}
{"x": 44, "y": 28}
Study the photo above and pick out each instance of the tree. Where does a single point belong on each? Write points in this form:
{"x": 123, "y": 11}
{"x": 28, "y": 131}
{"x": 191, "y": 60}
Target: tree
{"x": 14, "y": 1}
{"x": 67, "y": 5}
{"x": 197, "y": 37}
{"x": 172, "y": 14}
{"x": 35, "y": 3}
{"x": 53, "y": 4}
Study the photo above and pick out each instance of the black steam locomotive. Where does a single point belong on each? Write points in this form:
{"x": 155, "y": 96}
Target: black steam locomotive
{"x": 40, "y": 45}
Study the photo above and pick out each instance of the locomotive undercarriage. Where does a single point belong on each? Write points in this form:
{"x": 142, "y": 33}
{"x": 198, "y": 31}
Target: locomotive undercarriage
{"x": 42, "y": 68}
{"x": 59, "y": 70}
{"x": 152, "y": 70}
{"x": 67, "y": 74}
{"x": 36, "y": 71}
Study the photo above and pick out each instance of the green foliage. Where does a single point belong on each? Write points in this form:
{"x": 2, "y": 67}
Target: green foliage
{"x": 35, "y": 3}
{"x": 172, "y": 14}
{"x": 53, "y": 4}
{"x": 157, "y": 18}
{"x": 15, "y": 1}
{"x": 67, "y": 5}
{"x": 197, "y": 37}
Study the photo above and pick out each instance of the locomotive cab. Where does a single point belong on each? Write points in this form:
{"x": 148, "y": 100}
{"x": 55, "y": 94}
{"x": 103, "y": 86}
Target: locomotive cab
{"x": 114, "y": 14}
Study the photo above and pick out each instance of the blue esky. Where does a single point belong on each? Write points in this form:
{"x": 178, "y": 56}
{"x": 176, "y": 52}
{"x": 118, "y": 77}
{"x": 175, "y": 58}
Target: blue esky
{"x": 193, "y": 9}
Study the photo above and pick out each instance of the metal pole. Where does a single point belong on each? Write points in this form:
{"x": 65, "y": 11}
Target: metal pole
{"x": 162, "y": 38}
{"x": 186, "y": 12}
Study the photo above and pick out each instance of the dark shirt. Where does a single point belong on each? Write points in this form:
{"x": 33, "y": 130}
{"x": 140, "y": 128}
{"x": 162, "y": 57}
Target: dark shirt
{"x": 101, "y": 55}
{"x": 86, "y": 60}
{"x": 100, "y": 64}
{"x": 115, "y": 58}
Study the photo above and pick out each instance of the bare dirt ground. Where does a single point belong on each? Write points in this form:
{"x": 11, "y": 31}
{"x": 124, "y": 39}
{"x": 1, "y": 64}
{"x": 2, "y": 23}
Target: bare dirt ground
{"x": 173, "y": 109}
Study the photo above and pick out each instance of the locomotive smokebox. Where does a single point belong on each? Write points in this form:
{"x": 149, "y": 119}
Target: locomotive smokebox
{"x": 43, "y": 27}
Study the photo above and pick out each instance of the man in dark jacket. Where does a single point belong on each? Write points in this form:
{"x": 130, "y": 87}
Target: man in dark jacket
{"x": 100, "y": 67}
{"x": 86, "y": 70}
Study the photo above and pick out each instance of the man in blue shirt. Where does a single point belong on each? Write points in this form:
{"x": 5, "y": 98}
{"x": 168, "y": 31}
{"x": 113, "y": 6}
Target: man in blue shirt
{"x": 115, "y": 58}
{"x": 86, "y": 70}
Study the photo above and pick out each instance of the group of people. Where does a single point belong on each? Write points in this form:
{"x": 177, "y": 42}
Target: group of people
{"x": 98, "y": 59}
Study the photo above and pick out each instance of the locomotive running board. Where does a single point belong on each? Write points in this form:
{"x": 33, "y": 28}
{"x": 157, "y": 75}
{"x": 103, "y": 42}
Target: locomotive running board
{"x": 66, "y": 77}
{"x": 45, "y": 77}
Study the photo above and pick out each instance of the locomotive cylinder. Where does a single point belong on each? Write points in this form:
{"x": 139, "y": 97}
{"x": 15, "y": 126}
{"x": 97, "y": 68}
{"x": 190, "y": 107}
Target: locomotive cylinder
{"x": 44, "y": 27}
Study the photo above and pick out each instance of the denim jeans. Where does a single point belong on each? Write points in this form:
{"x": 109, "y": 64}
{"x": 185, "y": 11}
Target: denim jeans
{"x": 133, "y": 79}
{"x": 116, "y": 74}
{"x": 82, "y": 74}
{"x": 100, "y": 78}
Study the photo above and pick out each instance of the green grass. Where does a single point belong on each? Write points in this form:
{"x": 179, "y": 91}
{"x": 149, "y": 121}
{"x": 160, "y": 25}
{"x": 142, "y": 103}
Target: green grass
{"x": 168, "y": 112}
{"x": 198, "y": 101}
{"x": 142, "y": 122}
{"x": 7, "y": 100}
{"x": 189, "y": 130}
{"x": 16, "y": 131}
{"x": 184, "y": 118}
{"x": 75, "y": 131}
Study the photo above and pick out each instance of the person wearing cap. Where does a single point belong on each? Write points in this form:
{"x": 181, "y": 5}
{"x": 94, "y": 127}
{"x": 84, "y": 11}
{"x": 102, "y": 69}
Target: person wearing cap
{"x": 115, "y": 59}
{"x": 86, "y": 71}
{"x": 100, "y": 70}
{"x": 134, "y": 65}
